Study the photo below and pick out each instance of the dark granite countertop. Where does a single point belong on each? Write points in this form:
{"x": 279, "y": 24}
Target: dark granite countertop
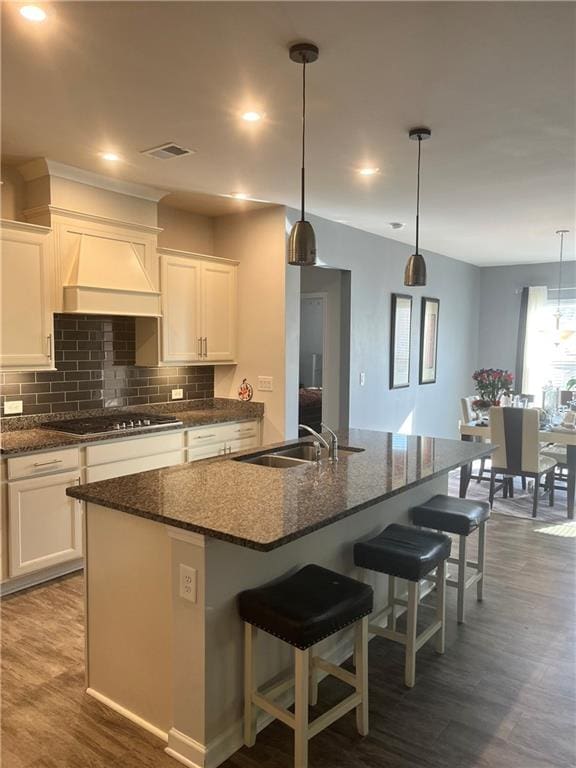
{"x": 30, "y": 438}
{"x": 263, "y": 507}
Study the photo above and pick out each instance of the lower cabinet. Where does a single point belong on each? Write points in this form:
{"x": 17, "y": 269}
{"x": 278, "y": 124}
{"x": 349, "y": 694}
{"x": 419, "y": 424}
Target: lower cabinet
{"x": 45, "y": 525}
{"x": 222, "y": 439}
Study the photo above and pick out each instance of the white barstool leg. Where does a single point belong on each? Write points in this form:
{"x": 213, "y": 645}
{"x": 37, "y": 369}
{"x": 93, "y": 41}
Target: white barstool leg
{"x": 411, "y": 626}
{"x": 439, "y": 640}
{"x": 361, "y": 661}
{"x": 391, "y": 623}
{"x": 481, "y": 561}
{"x": 461, "y": 579}
{"x": 249, "y": 686}
{"x": 313, "y": 691}
{"x": 301, "y": 685}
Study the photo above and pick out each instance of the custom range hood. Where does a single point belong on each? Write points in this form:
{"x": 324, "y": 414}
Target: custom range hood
{"x": 108, "y": 276}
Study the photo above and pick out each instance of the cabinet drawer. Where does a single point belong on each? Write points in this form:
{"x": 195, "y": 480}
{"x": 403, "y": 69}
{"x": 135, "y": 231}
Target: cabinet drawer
{"x": 242, "y": 444}
{"x": 42, "y": 463}
{"x": 214, "y": 433}
{"x": 205, "y": 451}
{"x": 132, "y": 466}
{"x": 241, "y": 430}
{"x": 134, "y": 448}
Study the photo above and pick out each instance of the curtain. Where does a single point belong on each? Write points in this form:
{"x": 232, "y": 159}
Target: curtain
{"x": 537, "y": 348}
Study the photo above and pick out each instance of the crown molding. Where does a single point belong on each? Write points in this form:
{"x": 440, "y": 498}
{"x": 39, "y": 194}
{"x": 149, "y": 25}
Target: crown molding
{"x": 36, "y": 169}
{"x": 24, "y": 226}
{"x": 31, "y": 213}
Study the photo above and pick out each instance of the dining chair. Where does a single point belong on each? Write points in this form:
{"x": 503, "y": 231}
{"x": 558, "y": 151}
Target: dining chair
{"x": 467, "y": 416}
{"x": 515, "y": 432}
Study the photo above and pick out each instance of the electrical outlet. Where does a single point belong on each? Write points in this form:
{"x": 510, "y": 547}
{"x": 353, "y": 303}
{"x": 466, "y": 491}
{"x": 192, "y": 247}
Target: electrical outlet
{"x": 362, "y": 378}
{"x": 265, "y": 383}
{"x": 12, "y": 406}
{"x": 177, "y": 394}
{"x": 187, "y": 589}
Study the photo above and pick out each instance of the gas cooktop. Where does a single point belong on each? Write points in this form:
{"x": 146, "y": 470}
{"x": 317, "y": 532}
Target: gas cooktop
{"x": 124, "y": 422}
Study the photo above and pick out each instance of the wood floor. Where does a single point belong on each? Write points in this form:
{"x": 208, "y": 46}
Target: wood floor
{"x": 503, "y": 696}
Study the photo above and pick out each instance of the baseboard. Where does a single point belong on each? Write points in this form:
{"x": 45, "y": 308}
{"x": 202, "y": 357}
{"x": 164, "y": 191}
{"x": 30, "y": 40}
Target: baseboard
{"x": 187, "y": 751}
{"x": 19, "y": 583}
{"x": 128, "y": 714}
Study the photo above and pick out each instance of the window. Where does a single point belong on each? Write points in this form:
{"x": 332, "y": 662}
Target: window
{"x": 549, "y": 347}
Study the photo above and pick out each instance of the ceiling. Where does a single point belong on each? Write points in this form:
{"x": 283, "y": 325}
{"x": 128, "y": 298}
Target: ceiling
{"x": 495, "y": 81}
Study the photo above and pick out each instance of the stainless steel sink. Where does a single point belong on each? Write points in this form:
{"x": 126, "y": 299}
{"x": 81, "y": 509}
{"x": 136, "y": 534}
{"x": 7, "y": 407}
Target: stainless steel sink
{"x": 273, "y": 460}
{"x": 293, "y": 456}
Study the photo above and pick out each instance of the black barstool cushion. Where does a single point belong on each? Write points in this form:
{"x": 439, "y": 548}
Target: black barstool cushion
{"x": 448, "y": 513}
{"x": 403, "y": 551}
{"x": 306, "y": 606}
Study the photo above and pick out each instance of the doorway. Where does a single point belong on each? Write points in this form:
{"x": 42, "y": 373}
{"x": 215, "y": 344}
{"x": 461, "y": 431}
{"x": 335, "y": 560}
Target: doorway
{"x": 324, "y": 348}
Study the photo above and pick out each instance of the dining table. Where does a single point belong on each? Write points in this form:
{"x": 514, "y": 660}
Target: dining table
{"x": 558, "y": 436}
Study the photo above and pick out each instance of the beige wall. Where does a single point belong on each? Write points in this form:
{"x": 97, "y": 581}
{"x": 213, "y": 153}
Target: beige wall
{"x": 256, "y": 239}
{"x": 11, "y": 193}
{"x": 185, "y": 231}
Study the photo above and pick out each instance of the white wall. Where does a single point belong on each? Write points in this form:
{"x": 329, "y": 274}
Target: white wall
{"x": 257, "y": 240}
{"x": 377, "y": 269}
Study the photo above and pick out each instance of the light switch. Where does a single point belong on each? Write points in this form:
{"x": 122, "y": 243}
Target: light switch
{"x": 265, "y": 383}
{"x": 177, "y": 394}
{"x": 362, "y": 378}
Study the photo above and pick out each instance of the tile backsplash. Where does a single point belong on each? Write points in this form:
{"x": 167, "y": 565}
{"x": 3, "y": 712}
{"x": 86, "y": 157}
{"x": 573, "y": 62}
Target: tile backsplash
{"x": 95, "y": 369}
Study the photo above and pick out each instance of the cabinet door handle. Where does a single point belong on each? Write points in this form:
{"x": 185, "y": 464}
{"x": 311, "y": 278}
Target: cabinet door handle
{"x": 47, "y": 463}
{"x": 203, "y": 437}
{"x": 49, "y": 342}
{"x": 205, "y": 346}
{"x": 244, "y": 431}
{"x": 199, "y": 346}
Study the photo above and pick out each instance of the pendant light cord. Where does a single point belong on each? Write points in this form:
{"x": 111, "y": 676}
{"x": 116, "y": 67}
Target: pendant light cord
{"x": 418, "y": 194}
{"x": 559, "y": 278}
{"x": 303, "y": 133}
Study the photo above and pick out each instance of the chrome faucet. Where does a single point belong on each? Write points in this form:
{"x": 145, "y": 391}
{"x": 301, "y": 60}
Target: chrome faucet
{"x": 331, "y": 447}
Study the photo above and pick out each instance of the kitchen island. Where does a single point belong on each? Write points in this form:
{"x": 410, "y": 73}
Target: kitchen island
{"x": 167, "y": 551}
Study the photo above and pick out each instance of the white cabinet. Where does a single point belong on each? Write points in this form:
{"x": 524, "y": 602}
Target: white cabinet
{"x": 127, "y": 457}
{"x": 222, "y": 439}
{"x": 26, "y": 320}
{"x": 199, "y": 312}
{"x": 45, "y": 525}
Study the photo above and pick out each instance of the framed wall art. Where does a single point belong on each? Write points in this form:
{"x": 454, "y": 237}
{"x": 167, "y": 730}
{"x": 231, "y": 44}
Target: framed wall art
{"x": 429, "y": 340}
{"x": 400, "y": 332}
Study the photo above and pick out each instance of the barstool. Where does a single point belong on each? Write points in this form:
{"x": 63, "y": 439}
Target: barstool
{"x": 461, "y": 517}
{"x": 302, "y": 609}
{"x": 411, "y": 554}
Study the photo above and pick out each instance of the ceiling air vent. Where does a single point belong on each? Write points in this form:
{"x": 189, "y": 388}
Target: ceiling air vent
{"x": 167, "y": 151}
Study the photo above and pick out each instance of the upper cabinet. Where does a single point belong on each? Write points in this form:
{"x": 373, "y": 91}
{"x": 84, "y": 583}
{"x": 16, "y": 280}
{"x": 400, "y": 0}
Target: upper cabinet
{"x": 27, "y": 294}
{"x": 198, "y": 322}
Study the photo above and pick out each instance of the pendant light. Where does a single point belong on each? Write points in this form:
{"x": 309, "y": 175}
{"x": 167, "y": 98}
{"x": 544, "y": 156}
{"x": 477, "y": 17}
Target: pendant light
{"x": 415, "y": 272}
{"x": 558, "y": 314}
{"x": 302, "y": 240}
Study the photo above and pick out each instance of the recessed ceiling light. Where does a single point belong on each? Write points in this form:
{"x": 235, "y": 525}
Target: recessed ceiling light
{"x": 397, "y": 224}
{"x": 240, "y": 196}
{"x": 112, "y": 157}
{"x": 32, "y": 13}
{"x": 252, "y": 117}
{"x": 368, "y": 171}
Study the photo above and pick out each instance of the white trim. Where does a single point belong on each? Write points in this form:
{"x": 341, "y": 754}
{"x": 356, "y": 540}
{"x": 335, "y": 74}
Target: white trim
{"x": 18, "y": 583}
{"x": 55, "y": 210}
{"x": 186, "y": 750}
{"x": 24, "y": 226}
{"x": 158, "y": 732}
{"x": 191, "y": 254}
{"x": 181, "y": 534}
{"x": 36, "y": 169}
